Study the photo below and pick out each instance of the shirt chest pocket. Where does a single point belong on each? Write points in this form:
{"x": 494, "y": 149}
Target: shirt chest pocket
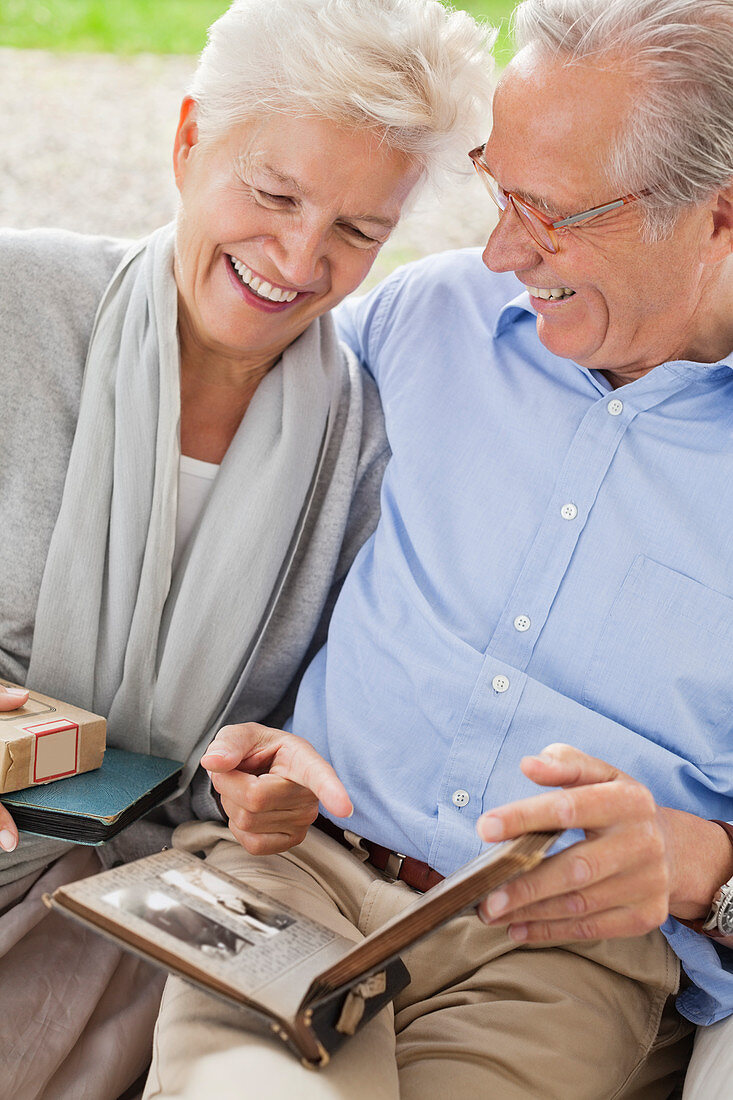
{"x": 663, "y": 662}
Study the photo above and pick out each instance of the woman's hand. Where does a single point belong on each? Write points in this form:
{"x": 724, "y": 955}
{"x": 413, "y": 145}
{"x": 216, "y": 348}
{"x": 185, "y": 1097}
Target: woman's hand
{"x": 8, "y": 832}
{"x": 637, "y": 863}
{"x": 270, "y": 783}
{"x": 12, "y": 698}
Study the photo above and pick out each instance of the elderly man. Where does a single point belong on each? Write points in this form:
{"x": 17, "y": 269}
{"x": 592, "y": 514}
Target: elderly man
{"x": 554, "y": 564}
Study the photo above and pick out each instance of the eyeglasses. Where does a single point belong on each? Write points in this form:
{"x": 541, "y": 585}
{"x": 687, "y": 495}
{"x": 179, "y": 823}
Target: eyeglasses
{"x": 541, "y": 228}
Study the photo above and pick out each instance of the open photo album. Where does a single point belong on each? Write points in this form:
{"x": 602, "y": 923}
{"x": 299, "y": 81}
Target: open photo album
{"x": 289, "y": 975}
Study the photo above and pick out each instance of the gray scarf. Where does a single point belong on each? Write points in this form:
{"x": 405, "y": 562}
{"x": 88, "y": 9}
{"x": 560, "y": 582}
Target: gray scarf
{"x": 115, "y": 633}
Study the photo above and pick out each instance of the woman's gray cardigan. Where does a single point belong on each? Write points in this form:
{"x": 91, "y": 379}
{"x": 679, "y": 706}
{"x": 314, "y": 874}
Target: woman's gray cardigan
{"x": 50, "y": 285}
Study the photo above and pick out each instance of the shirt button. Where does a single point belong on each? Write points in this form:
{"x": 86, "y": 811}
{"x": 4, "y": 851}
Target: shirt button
{"x": 522, "y": 623}
{"x": 460, "y": 798}
{"x": 568, "y": 511}
{"x": 500, "y": 684}
{"x": 615, "y": 407}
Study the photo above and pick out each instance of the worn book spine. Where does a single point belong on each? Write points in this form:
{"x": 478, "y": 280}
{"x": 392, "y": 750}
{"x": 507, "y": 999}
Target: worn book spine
{"x": 334, "y": 1018}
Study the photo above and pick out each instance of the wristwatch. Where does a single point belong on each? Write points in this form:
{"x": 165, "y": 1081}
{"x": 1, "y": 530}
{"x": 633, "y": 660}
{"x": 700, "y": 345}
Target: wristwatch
{"x": 719, "y": 921}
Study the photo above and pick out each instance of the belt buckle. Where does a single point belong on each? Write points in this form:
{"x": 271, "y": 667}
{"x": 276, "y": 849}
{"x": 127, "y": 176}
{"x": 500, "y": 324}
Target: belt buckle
{"x": 393, "y": 866}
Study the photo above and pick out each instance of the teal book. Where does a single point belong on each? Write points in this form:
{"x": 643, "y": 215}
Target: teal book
{"x": 93, "y": 807}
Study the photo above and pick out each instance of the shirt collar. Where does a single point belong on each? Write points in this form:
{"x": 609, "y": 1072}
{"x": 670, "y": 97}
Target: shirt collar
{"x": 511, "y": 311}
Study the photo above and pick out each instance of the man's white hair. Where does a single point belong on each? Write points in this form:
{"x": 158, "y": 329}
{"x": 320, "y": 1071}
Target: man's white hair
{"x": 412, "y": 71}
{"x": 678, "y": 138}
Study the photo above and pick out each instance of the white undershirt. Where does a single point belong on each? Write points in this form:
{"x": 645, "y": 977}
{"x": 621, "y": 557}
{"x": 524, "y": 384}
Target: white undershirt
{"x": 195, "y": 481}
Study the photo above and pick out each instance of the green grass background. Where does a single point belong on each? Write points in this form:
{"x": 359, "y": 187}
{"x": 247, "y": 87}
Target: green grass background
{"x": 148, "y": 26}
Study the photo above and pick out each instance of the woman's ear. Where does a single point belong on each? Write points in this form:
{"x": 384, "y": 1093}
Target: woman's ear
{"x": 719, "y": 243}
{"x": 187, "y": 136}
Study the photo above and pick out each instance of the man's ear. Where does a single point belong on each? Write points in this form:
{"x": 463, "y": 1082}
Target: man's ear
{"x": 719, "y": 243}
{"x": 187, "y": 136}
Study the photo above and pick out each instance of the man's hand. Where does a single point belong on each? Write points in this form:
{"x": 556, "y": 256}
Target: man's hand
{"x": 270, "y": 783}
{"x": 637, "y": 863}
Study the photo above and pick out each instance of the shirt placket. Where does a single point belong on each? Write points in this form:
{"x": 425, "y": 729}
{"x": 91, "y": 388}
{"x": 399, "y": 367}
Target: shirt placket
{"x": 498, "y": 688}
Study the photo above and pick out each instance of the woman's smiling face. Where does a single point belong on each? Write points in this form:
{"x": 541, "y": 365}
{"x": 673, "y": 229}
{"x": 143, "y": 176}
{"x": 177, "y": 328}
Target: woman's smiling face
{"x": 279, "y": 220}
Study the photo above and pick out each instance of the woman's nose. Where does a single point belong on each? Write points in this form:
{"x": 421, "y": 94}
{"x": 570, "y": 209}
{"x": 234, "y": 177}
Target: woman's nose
{"x": 299, "y": 256}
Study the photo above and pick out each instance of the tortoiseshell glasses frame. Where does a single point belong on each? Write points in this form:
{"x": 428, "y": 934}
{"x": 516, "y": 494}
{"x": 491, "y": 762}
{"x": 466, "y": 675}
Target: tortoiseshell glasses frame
{"x": 541, "y": 228}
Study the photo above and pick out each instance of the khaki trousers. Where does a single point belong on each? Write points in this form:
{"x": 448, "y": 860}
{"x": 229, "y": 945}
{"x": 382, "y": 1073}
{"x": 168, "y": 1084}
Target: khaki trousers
{"x": 481, "y": 1018}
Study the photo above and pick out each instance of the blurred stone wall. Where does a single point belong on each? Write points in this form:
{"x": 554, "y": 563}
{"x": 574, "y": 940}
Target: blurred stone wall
{"x": 86, "y": 142}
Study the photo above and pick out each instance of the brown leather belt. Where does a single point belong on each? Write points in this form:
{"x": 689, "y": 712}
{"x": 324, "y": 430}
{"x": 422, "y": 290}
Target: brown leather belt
{"x": 394, "y": 865}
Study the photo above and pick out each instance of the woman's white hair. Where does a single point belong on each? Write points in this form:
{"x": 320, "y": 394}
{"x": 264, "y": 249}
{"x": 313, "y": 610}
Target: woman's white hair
{"x": 412, "y": 71}
{"x": 678, "y": 138}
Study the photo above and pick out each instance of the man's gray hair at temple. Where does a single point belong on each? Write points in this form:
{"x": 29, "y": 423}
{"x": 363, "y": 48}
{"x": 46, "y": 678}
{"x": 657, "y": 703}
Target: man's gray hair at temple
{"x": 412, "y": 71}
{"x": 678, "y": 140}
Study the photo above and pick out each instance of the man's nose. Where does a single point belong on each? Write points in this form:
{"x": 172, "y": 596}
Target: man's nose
{"x": 510, "y": 247}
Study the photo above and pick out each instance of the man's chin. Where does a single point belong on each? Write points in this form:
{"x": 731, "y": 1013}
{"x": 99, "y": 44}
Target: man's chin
{"x": 562, "y": 340}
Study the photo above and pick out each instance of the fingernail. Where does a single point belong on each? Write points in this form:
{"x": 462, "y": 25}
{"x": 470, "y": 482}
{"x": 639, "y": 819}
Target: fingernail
{"x": 517, "y": 932}
{"x": 7, "y": 840}
{"x": 16, "y": 691}
{"x": 220, "y": 753}
{"x": 491, "y": 828}
{"x": 497, "y": 903}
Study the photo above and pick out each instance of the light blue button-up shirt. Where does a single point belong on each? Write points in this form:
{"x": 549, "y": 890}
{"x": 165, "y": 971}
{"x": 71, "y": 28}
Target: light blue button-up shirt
{"x": 554, "y": 562}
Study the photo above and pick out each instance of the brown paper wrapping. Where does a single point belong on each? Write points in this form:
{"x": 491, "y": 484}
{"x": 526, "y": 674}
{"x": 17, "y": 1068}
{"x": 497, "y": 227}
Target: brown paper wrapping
{"x": 47, "y": 740}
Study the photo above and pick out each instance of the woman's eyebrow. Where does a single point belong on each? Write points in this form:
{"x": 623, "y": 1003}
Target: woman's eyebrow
{"x": 373, "y": 219}
{"x": 245, "y": 164}
{"x": 284, "y": 180}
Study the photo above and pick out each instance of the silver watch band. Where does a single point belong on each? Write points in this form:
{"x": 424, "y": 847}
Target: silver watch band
{"x": 719, "y": 921}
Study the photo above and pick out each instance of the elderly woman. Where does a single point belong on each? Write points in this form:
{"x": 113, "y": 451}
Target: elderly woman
{"x": 172, "y": 529}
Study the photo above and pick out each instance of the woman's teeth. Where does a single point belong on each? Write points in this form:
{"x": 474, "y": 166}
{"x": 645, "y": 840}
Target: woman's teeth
{"x": 550, "y": 293}
{"x": 259, "y": 286}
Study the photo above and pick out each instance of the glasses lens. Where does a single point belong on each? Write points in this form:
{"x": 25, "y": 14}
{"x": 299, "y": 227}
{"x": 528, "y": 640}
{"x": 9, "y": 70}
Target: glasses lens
{"x": 542, "y": 234}
{"x": 537, "y": 229}
{"x": 488, "y": 181}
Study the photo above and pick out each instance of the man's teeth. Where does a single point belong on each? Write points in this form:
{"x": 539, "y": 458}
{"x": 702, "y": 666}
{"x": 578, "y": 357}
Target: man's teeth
{"x": 551, "y": 293}
{"x": 261, "y": 288}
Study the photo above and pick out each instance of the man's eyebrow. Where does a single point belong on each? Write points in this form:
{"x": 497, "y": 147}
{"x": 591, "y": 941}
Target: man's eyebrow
{"x": 541, "y": 204}
{"x": 535, "y": 200}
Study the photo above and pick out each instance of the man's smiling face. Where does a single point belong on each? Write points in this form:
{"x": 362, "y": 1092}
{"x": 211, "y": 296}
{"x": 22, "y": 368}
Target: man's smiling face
{"x": 633, "y": 305}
